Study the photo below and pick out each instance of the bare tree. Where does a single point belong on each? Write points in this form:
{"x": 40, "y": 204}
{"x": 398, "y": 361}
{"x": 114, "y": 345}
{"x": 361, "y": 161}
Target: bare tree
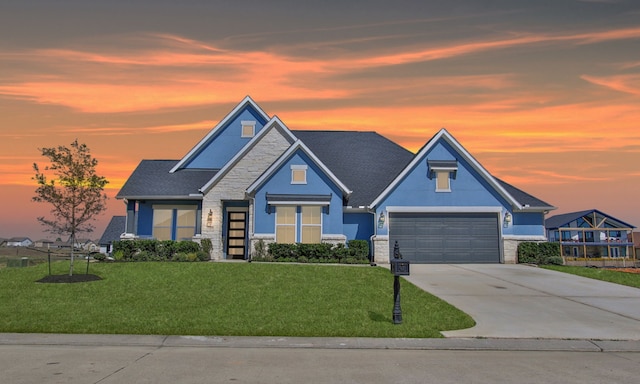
{"x": 70, "y": 184}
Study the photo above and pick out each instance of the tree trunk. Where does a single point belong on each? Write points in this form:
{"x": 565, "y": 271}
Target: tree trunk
{"x": 73, "y": 245}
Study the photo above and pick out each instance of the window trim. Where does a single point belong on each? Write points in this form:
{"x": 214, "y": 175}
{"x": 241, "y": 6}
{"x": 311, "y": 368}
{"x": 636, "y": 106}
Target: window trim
{"x": 294, "y": 225}
{"x": 303, "y": 225}
{"x": 298, "y": 168}
{"x": 247, "y": 123}
{"x": 438, "y": 174}
{"x": 173, "y": 227}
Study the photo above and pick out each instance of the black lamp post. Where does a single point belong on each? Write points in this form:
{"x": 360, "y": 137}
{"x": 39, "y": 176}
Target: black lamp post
{"x": 399, "y": 268}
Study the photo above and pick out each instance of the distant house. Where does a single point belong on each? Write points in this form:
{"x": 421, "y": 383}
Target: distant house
{"x": 112, "y": 232}
{"x": 252, "y": 179}
{"x": 19, "y": 242}
{"x": 591, "y": 234}
{"x": 43, "y": 243}
{"x": 87, "y": 245}
{"x": 3, "y": 242}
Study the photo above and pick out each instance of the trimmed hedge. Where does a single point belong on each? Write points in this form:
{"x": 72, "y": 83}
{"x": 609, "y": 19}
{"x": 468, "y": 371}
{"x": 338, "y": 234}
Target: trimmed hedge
{"x": 356, "y": 252}
{"x": 539, "y": 253}
{"x": 158, "y": 250}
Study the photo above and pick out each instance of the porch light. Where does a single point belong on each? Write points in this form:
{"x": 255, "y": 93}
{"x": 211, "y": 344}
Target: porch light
{"x": 381, "y": 220}
{"x": 210, "y": 219}
{"x": 507, "y": 219}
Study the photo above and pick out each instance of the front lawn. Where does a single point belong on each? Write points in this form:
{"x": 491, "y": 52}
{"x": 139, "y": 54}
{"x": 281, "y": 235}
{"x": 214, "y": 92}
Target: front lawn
{"x": 610, "y": 275}
{"x": 250, "y": 299}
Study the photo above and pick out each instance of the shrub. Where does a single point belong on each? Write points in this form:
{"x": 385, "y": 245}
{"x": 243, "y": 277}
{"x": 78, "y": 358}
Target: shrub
{"x": 539, "y": 253}
{"x": 159, "y": 250}
{"x": 317, "y": 253}
{"x": 359, "y": 249}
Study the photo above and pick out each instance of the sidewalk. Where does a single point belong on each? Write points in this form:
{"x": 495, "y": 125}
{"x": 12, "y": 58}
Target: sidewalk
{"x": 448, "y": 344}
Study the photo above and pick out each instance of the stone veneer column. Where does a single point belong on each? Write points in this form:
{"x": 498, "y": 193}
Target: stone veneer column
{"x": 234, "y": 183}
{"x": 380, "y": 249}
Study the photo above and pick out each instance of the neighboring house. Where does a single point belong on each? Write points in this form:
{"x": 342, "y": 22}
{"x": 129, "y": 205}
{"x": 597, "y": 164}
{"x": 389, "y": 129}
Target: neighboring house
{"x": 43, "y": 243}
{"x": 251, "y": 179}
{"x": 591, "y": 234}
{"x": 19, "y": 242}
{"x": 87, "y": 245}
{"x": 112, "y": 232}
{"x": 3, "y": 242}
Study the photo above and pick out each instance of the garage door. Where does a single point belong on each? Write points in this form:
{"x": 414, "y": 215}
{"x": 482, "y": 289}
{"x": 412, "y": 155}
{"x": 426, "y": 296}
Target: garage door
{"x": 446, "y": 237}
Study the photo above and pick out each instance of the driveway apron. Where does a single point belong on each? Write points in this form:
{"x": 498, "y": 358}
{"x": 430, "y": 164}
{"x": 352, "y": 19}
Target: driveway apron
{"x": 520, "y": 301}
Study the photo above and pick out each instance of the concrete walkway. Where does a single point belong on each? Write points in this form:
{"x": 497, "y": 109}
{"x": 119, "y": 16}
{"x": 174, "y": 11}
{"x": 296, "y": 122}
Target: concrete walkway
{"x": 520, "y": 301}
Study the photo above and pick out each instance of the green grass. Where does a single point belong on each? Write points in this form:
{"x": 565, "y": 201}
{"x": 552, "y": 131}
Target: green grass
{"x": 612, "y": 276}
{"x": 221, "y": 299}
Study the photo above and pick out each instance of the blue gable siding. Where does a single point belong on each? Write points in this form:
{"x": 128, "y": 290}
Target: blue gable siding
{"x": 227, "y": 142}
{"x": 317, "y": 184}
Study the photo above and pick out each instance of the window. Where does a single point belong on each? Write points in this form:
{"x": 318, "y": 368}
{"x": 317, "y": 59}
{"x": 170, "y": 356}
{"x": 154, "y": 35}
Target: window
{"x": 298, "y": 174}
{"x": 311, "y": 224}
{"x": 443, "y": 181}
{"x": 174, "y": 222}
{"x": 286, "y": 224}
{"x": 162, "y": 219}
{"x": 248, "y": 128}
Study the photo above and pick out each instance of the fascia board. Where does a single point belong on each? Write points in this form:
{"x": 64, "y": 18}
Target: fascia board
{"x": 275, "y": 122}
{"x": 161, "y": 197}
{"x": 278, "y": 163}
{"x": 214, "y": 131}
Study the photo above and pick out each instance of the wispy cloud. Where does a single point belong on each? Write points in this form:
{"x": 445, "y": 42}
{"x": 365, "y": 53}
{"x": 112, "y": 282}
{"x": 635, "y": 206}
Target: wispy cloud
{"x": 622, "y": 83}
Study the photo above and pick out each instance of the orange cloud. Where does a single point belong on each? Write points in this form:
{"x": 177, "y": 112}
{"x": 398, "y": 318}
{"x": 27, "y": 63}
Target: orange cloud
{"x": 621, "y": 83}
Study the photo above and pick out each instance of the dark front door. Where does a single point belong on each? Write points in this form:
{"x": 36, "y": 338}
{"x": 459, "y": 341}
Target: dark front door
{"x": 236, "y": 235}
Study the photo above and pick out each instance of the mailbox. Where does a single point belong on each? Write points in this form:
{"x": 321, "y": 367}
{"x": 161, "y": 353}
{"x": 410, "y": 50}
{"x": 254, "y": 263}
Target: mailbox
{"x": 399, "y": 267}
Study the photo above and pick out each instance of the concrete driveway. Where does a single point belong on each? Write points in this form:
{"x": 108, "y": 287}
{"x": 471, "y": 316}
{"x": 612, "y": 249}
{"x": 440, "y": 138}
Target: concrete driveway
{"x": 520, "y": 301}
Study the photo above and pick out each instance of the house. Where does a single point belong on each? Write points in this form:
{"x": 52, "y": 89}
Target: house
{"x": 253, "y": 179}
{"x": 43, "y": 243}
{"x": 112, "y": 232}
{"x": 19, "y": 242}
{"x": 591, "y": 234}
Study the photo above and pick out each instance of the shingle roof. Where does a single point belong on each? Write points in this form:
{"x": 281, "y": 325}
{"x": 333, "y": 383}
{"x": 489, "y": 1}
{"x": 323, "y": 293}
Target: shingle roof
{"x": 522, "y": 197}
{"x": 152, "y": 179}
{"x": 114, "y": 229}
{"x": 365, "y": 161}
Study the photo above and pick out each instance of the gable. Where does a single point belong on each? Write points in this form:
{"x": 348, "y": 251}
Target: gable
{"x": 226, "y": 139}
{"x": 471, "y": 183}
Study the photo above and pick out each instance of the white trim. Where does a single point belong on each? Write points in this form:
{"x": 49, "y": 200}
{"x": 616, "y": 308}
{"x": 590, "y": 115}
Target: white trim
{"x": 440, "y": 209}
{"x": 302, "y": 225}
{"x": 274, "y": 123}
{"x": 247, "y": 100}
{"x": 524, "y": 237}
{"x": 444, "y": 134}
{"x": 284, "y": 157}
{"x": 295, "y": 225}
{"x": 296, "y": 167}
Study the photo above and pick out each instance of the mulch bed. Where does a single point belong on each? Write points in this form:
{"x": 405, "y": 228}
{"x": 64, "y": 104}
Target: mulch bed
{"x": 627, "y": 270}
{"x": 69, "y": 279}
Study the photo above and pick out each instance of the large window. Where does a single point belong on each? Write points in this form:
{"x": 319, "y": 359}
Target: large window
{"x": 174, "y": 222}
{"x": 311, "y": 224}
{"x": 309, "y": 218}
{"x": 286, "y": 224}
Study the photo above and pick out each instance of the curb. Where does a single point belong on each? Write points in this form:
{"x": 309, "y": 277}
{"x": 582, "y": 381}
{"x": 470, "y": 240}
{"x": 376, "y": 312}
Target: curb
{"x": 460, "y": 344}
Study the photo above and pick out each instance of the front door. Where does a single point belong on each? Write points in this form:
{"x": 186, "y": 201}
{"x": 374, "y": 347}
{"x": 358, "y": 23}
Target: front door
{"x": 236, "y": 235}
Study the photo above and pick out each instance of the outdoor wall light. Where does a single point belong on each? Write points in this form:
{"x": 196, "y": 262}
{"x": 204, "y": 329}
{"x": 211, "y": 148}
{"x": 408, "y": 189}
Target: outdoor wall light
{"x": 507, "y": 219}
{"x": 381, "y": 220}
{"x": 210, "y": 219}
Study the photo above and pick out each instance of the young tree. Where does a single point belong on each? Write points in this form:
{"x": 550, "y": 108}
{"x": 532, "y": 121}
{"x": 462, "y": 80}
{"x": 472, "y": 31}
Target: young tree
{"x": 70, "y": 184}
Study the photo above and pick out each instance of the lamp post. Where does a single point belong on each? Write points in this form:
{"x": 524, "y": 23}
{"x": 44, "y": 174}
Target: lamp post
{"x": 399, "y": 268}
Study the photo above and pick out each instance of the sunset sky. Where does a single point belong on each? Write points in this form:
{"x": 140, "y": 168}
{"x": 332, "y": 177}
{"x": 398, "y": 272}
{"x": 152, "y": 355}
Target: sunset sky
{"x": 545, "y": 94}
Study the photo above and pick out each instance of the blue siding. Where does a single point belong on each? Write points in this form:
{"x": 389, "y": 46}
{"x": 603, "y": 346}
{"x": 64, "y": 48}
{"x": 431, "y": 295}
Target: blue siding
{"x": 227, "y": 142}
{"x": 468, "y": 189}
{"x": 358, "y": 226}
{"x": 317, "y": 184}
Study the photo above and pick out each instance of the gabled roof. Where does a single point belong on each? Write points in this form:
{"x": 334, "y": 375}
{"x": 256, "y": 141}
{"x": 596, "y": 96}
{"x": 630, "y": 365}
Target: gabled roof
{"x": 247, "y": 101}
{"x": 366, "y": 161}
{"x": 18, "y": 239}
{"x": 505, "y": 190}
{"x": 274, "y": 123}
{"x": 114, "y": 229}
{"x": 298, "y": 145}
{"x": 152, "y": 180}
{"x": 563, "y": 220}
